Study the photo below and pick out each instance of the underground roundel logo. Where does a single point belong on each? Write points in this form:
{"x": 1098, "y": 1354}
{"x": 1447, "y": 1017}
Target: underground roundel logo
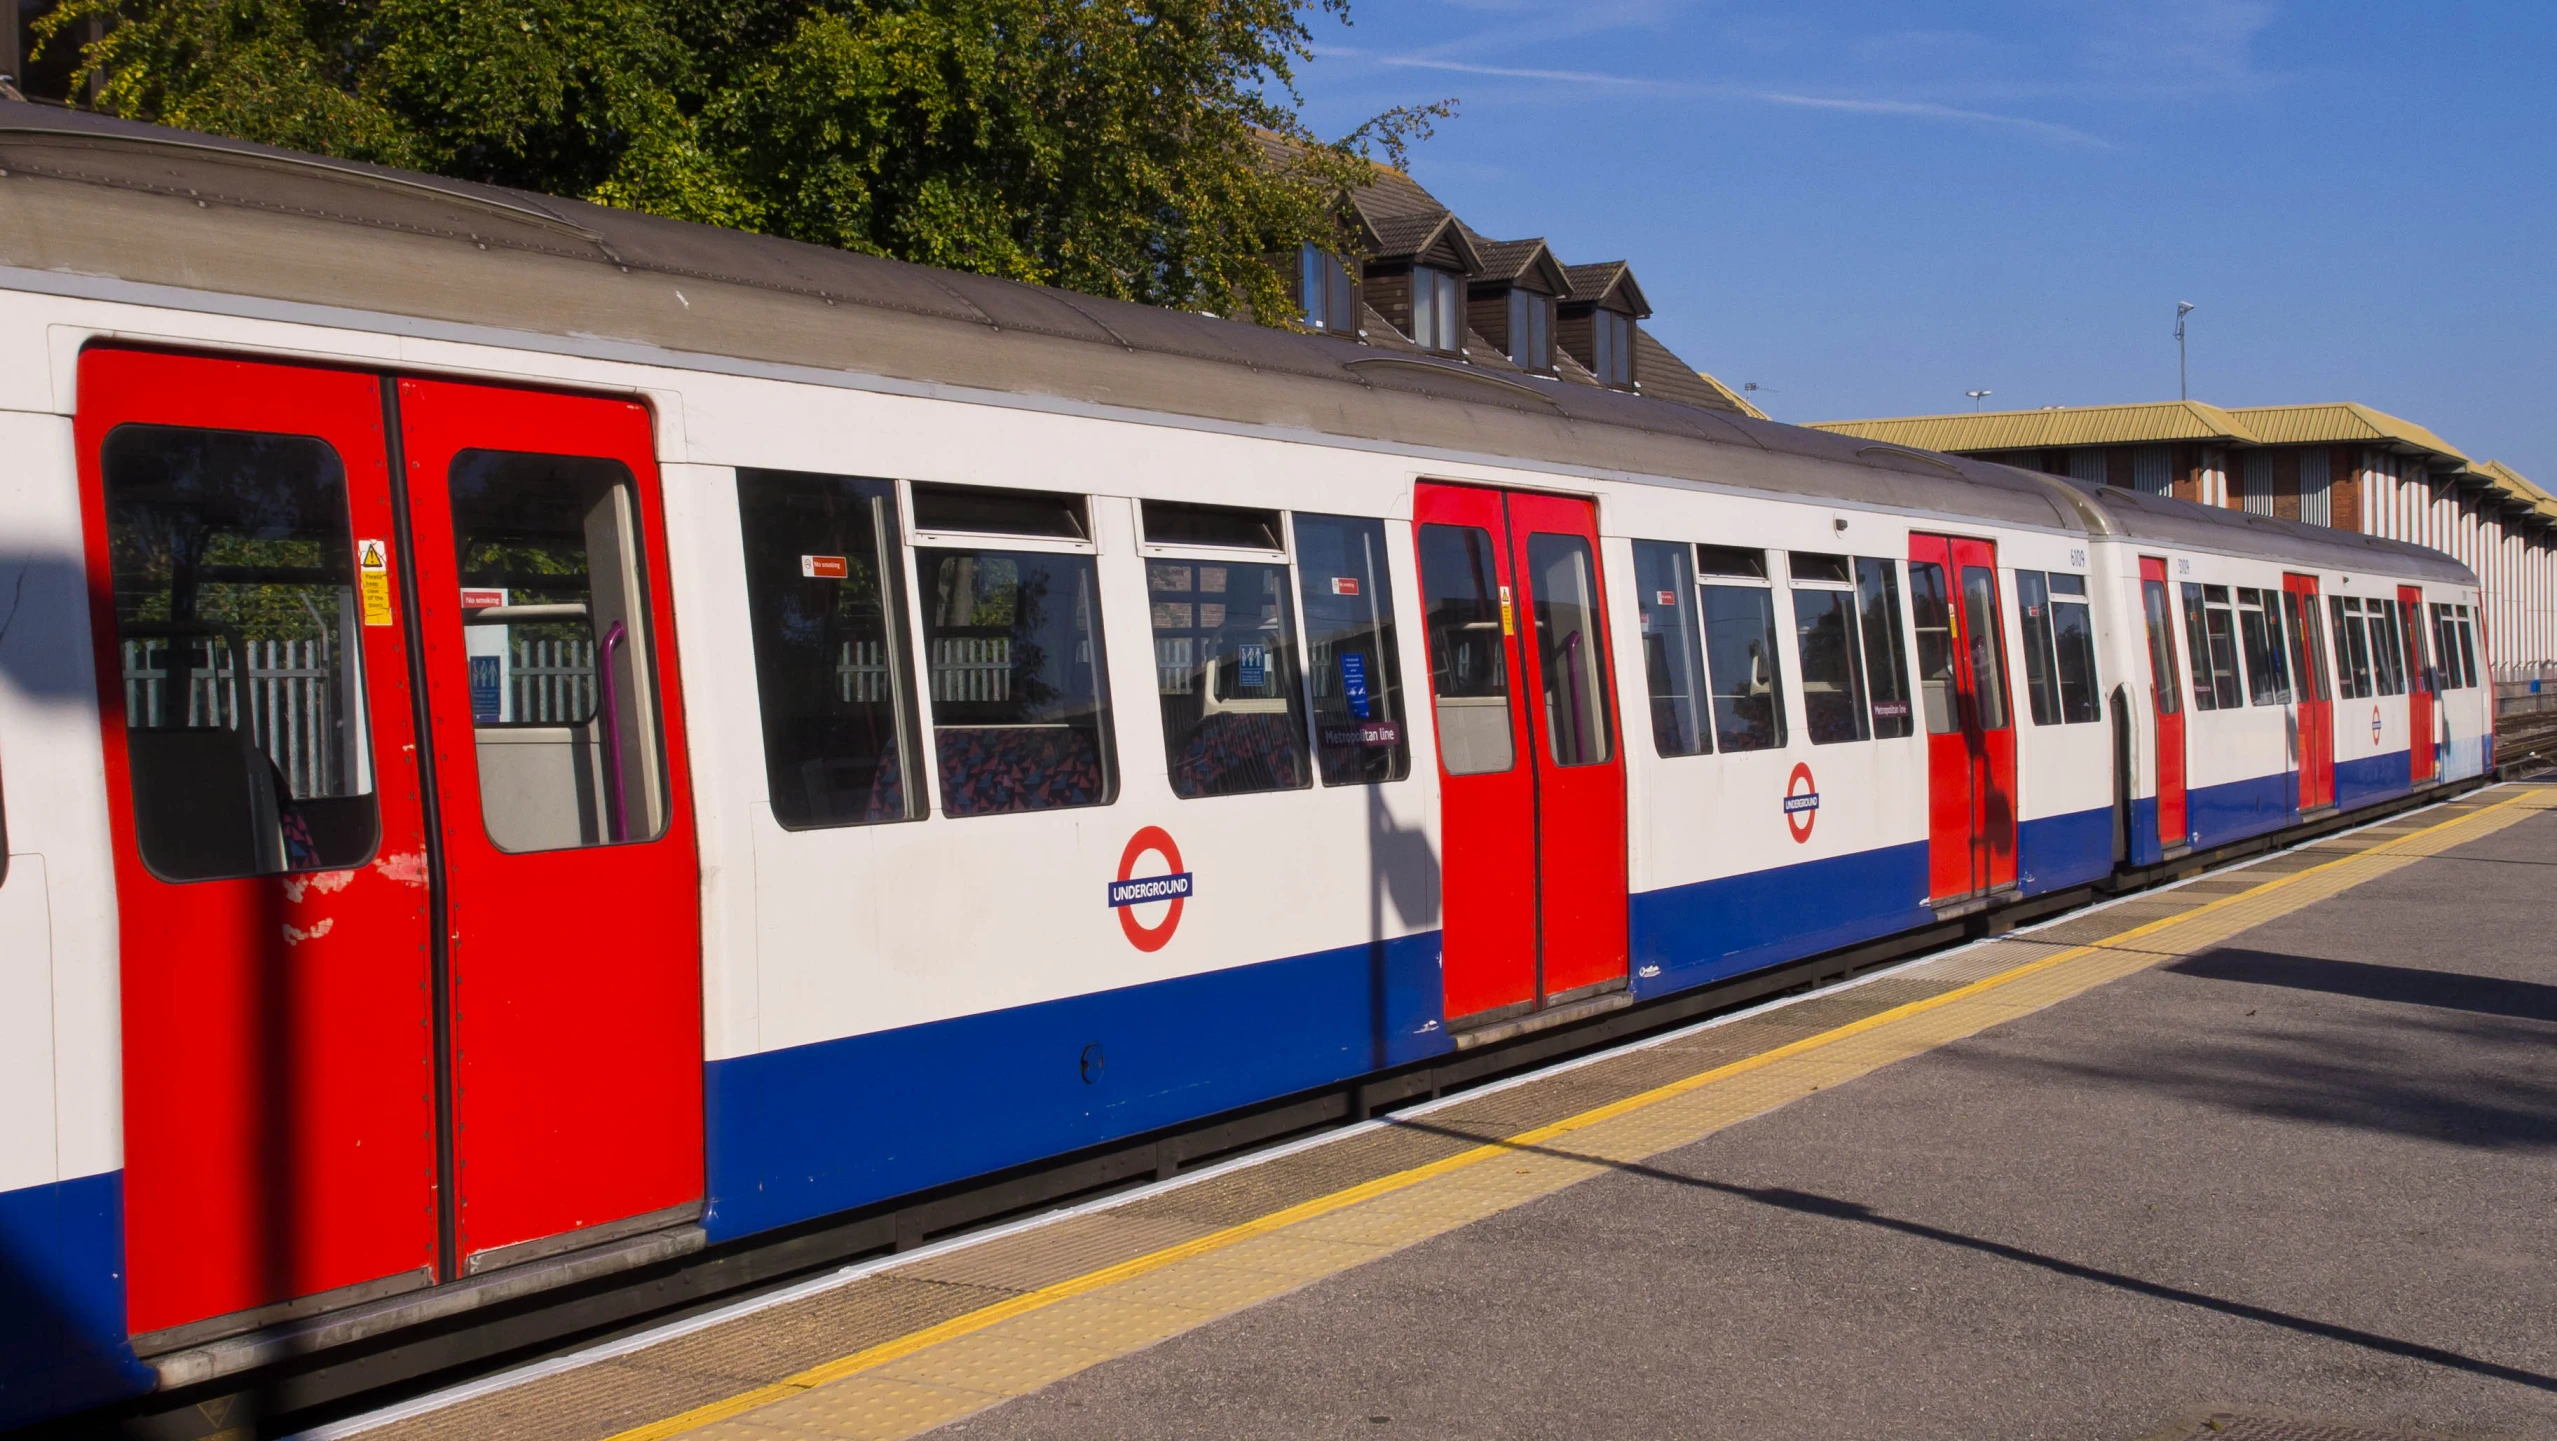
{"x": 1130, "y": 890}
{"x": 2375, "y": 725}
{"x": 1802, "y": 802}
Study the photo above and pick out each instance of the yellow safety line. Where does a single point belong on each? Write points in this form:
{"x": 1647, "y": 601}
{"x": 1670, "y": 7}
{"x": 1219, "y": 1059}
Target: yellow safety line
{"x": 1090, "y": 1281}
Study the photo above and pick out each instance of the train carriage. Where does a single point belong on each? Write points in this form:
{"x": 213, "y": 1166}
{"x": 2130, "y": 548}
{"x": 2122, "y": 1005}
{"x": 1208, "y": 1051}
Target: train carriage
{"x": 537, "y": 740}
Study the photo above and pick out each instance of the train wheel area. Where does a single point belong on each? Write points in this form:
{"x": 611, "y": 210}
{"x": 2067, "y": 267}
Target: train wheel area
{"x": 2260, "y": 1152}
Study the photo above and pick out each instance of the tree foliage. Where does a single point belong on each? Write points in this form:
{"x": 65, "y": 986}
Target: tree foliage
{"x": 1149, "y": 150}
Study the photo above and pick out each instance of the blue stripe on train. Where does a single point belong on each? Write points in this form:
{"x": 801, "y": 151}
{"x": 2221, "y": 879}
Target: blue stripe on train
{"x": 2056, "y": 852}
{"x": 62, "y": 1342}
{"x": 825, "y": 1127}
{"x": 1687, "y": 935}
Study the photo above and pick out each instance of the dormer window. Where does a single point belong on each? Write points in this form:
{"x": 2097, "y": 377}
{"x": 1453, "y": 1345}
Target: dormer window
{"x": 1438, "y": 310}
{"x": 1611, "y": 345}
{"x": 1531, "y": 330}
{"x": 1331, "y": 298}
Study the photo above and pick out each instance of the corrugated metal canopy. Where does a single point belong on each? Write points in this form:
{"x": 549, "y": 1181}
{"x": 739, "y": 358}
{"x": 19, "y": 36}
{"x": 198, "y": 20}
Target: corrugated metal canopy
{"x": 2341, "y": 423}
{"x": 2148, "y": 423}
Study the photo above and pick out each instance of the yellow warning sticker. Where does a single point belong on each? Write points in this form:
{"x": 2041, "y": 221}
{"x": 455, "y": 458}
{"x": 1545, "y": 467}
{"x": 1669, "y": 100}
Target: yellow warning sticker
{"x": 373, "y": 580}
{"x": 1508, "y": 618}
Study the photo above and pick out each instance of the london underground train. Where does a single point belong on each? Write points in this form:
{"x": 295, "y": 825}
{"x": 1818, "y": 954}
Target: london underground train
{"x": 536, "y": 738}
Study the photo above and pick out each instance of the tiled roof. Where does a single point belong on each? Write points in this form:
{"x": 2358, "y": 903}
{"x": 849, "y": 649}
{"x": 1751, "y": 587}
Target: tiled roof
{"x": 1596, "y": 282}
{"x": 1663, "y": 376}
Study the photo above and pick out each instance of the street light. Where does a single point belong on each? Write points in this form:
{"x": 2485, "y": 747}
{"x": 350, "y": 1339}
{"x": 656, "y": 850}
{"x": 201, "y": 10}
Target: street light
{"x": 2183, "y": 308}
{"x": 1976, "y": 397}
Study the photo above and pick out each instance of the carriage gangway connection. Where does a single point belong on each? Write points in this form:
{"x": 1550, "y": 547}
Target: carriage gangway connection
{"x": 2252, "y": 1154}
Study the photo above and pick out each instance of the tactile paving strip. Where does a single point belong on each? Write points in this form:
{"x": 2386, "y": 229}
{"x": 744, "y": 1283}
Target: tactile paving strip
{"x": 904, "y": 1350}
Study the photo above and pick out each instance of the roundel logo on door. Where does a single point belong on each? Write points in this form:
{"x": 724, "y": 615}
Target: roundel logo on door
{"x": 1149, "y": 905}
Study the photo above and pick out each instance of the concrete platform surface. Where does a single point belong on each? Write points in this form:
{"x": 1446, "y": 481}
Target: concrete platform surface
{"x": 2302, "y": 1184}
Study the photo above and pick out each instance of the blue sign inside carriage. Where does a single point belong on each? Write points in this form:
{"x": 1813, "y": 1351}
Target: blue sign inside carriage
{"x": 1254, "y": 662}
{"x": 1354, "y": 683}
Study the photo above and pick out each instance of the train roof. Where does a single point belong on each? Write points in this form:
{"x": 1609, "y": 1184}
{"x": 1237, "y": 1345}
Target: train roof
{"x": 166, "y": 208}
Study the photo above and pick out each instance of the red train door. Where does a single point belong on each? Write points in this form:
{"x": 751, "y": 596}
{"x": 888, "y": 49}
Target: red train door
{"x": 1532, "y": 795}
{"x": 270, "y": 852}
{"x": 2166, "y": 697}
{"x": 2315, "y": 712}
{"x": 1953, "y": 587}
{"x": 566, "y": 817}
{"x": 2419, "y": 687}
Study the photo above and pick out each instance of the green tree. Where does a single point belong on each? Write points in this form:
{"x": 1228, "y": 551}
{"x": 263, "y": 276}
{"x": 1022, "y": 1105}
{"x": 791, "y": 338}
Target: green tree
{"x": 1149, "y": 150}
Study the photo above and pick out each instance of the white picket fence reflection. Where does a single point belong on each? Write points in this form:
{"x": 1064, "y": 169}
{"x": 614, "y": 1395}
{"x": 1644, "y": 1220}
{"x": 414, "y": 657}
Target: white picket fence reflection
{"x": 290, "y": 700}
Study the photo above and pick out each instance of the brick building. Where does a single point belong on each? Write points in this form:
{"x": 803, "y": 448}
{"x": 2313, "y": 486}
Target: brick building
{"x": 2340, "y": 465}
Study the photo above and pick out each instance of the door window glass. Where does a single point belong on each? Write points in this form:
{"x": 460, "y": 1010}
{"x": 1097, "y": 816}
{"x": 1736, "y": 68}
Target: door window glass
{"x": 825, "y": 600}
{"x": 1932, "y": 613}
{"x": 2352, "y": 649}
{"x": 1740, "y": 659}
{"x": 238, "y": 628}
{"x": 2041, "y": 660}
{"x": 1225, "y": 675}
{"x": 2388, "y": 661}
{"x": 2308, "y": 652}
{"x": 1988, "y": 651}
{"x": 1018, "y": 679}
{"x": 2419, "y": 661}
{"x": 1886, "y": 654}
{"x": 1468, "y": 616}
{"x": 1833, "y": 701}
{"x": 2166, "y": 686}
{"x": 555, "y": 625}
{"x": 1673, "y": 660}
{"x": 2073, "y": 635}
{"x": 2259, "y": 630}
{"x": 1349, "y": 638}
{"x": 1569, "y": 648}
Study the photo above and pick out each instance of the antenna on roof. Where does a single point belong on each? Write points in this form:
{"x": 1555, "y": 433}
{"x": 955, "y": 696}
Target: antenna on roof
{"x": 2183, "y": 308}
{"x": 1976, "y": 397}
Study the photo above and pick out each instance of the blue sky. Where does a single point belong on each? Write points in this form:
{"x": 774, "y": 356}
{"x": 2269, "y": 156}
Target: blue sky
{"x": 1869, "y": 208}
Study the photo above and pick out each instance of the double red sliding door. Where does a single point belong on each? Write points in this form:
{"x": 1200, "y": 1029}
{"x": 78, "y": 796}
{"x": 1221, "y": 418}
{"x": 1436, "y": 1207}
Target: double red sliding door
{"x": 404, "y": 858}
{"x": 1954, "y": 594}
{"x": 1531, "y": 775}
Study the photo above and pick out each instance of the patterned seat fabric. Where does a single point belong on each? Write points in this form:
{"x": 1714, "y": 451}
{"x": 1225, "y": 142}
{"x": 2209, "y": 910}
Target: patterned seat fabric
{"x": 1230, "y": 753}
{"x": 992, "y": 769}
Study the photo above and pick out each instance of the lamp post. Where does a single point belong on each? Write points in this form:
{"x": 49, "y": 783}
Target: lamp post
{"x": 1976, "y": 397}
{"x": 2183, "y": 308}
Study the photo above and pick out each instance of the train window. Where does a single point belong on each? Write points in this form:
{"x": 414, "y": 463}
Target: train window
{"x": 1174, "y": 523}
{"x": 825, "y": 600}
{"x": 2352, "y": 650}
{"x": 233, "y": 575}
{"x": 555, "y": 610}
{"x": 2259, "y": 630}
{"x": 2073, "y": 636}
{"x": 1988, "y": 647}
{"x": 2308, "y": 650}
{"x": 2220, "y": 623}
{"x": 2166, "y": 686}
{"x": 1562, "y": 584}
{"x": 1886, "y": 653}
{"x": 1731, "y": 560}
{"x": 1000, "y": 512}
{"x": 1824, "y": 622}
{"x": 2388, "y": 659}
{"x": 2446, "y": 645}
{"x": 1349, "y": 641}
{"x": 1932, "y": 612}
{"x": 2041, "y": 660}
{"x": 2419, "y": 661}
{"x": 2197, "y": 649}
{"x": 1225, "y": 675}
{"x": 1018, "y": 680}
{"x": 1673, "y": 661}
{"x": 1467, "y": 613}
{"x": 1740, "y": 661}
{"x": 1812, "y": 566}
{"x": 2467, "y": 649}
